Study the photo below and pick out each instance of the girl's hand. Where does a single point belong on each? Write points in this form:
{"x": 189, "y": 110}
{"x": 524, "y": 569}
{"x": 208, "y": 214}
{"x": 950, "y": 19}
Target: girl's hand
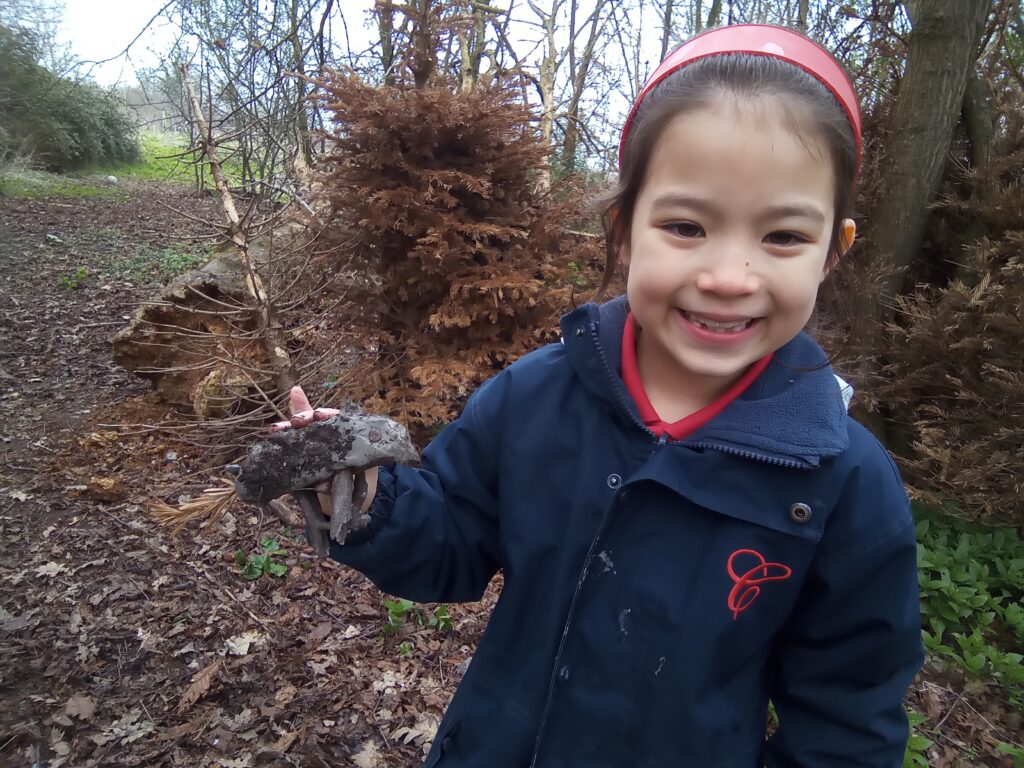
{"x": 303, "y": 414}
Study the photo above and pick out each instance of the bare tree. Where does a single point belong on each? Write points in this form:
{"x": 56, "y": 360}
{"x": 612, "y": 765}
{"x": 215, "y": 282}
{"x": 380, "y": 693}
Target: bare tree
{"x": 266, "y": 316}
{"x": 943, "y": 48}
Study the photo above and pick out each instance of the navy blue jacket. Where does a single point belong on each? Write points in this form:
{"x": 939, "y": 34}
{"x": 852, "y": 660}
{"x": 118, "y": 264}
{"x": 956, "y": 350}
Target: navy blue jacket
{"x": 658, "y": 593}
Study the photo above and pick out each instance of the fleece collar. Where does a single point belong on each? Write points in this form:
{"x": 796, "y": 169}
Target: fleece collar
{"x": 787, "y": 413}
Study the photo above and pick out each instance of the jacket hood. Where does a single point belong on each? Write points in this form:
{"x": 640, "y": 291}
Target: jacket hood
{"x": 789, "y": 412}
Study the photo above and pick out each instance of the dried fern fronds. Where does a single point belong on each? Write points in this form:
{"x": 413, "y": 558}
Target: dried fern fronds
{"x": 211, "y": 504}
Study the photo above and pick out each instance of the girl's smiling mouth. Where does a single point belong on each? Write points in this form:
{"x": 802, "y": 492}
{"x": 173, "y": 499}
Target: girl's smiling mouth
{"x": 716, "y": 328}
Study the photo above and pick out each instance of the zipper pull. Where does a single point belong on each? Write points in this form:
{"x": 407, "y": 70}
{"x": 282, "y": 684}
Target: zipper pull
{"x": 662, "y": 440}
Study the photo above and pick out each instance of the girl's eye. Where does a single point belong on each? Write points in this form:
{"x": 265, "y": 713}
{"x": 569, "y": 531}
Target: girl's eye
{"x": 785, "y": 238}
{"x": 685, "y": 229}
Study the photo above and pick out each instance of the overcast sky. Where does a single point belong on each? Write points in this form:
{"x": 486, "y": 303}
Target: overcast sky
{"x": 101, "y": 29}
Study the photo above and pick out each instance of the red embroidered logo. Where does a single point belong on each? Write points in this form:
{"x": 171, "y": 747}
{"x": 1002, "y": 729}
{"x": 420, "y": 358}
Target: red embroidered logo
{"x": 746, "y": 585}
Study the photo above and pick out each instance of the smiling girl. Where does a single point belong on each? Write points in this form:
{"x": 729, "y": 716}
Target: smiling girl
{"x": 688, "y": 522}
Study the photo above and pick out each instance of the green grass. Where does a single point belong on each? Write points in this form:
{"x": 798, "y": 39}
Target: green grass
{"x": 160, "y": 159}
{"x": 18, "y": 181}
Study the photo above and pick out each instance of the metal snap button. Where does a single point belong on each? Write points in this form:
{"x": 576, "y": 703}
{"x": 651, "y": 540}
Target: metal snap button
{"x": 614, "y": 481}
{"x": 563, "y": 673}
{"x": 800, "y": 513}
{"x": 579, "y": 331}
{"x": 447, "y": 744}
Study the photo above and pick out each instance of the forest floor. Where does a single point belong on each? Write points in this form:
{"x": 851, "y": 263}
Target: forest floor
{"x": 122, "y": 644}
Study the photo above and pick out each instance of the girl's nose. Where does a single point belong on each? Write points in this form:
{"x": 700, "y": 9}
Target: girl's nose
{"x": 728, "y": 275}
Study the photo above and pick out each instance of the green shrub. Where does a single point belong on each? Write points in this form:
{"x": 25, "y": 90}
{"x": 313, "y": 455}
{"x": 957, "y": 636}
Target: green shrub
{"x": 59, "y": 123}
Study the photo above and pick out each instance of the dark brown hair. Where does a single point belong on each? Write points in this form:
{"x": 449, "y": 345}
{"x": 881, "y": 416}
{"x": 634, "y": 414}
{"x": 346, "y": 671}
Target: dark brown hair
{"x": 817, "y": 119}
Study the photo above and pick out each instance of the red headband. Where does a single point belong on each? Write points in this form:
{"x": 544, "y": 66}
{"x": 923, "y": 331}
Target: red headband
{"x": 760, "y": 40}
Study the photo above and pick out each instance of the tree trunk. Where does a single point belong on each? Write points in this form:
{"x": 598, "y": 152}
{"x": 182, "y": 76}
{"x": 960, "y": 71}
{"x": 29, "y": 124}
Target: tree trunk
{"x": 943, "y": 47}
{"x": 471, "y": 47}
{"x": 715, "y": 14}
{"x": 981, "y": 129}
{"x": 580, "y": 68}
{"x": 385, "y": 13}
{"x": 304, "y": 150}
{"x": 801, "y": 14}
{"x": 666, "y": 29}
{"x": 979, "y": 121}
{"x": 546, "y": 81}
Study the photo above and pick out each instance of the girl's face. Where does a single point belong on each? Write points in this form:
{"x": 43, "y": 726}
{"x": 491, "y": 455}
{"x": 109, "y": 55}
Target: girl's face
{"x": 729, "y": 240}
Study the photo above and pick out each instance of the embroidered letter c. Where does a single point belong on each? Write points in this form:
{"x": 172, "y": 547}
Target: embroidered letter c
{"x": 746, "y": 586}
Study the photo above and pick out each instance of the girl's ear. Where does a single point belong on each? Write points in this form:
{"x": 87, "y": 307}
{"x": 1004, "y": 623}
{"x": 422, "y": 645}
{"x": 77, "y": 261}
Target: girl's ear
{"x": 847, "y": 234}
{"x": 621, "y": 244}
{"x": 623, "y": 254}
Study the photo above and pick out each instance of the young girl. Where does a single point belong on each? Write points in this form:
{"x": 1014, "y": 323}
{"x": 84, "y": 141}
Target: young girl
{"x": 688, "y": 523}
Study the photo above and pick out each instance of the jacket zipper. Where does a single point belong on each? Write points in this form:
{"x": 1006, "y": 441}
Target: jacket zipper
{"x": 568, "y": 623}
{"x": 765, "y": 457}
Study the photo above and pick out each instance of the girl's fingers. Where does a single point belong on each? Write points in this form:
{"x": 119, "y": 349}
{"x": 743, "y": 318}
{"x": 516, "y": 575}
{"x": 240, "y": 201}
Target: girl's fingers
{"x": 303, "y": 414}
{"x": 299, "y": 401}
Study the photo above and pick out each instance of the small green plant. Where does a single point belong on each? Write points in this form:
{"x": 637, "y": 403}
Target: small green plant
{"x": 163, "y": 264}
{"x": 916, "y": 755}
{"x": 972, "y": 589}
{"x": 255, "y": 566}
{"x": 577, "y": 277}
{"x": 400, "y": 611}
{"x": 1013, "y": 750}
{"x": 73, "y": 280}
{"x": 405, "y": 649}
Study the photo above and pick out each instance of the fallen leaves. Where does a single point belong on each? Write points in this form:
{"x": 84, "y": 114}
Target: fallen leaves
{"x": 368, "y": 756}
{"x": 239, "y": 644}
{"x": 128, "y": 728}
{"x": 421, "y": 733}
{"x": 80, "y": 706}
{"x": 200, "y": 685}
{"x": 51, "y": 569}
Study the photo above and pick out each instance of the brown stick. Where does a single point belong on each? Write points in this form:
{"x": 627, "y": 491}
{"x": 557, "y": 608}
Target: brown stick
{"x": 266, "y": 320}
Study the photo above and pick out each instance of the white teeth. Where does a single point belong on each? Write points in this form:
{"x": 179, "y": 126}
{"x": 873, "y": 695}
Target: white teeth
{"x": 717, "y": 327}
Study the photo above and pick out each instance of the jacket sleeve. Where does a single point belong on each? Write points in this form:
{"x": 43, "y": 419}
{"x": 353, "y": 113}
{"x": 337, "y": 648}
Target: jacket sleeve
{"x": 433, "y": 535}
{"x": 844, "y": 661}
